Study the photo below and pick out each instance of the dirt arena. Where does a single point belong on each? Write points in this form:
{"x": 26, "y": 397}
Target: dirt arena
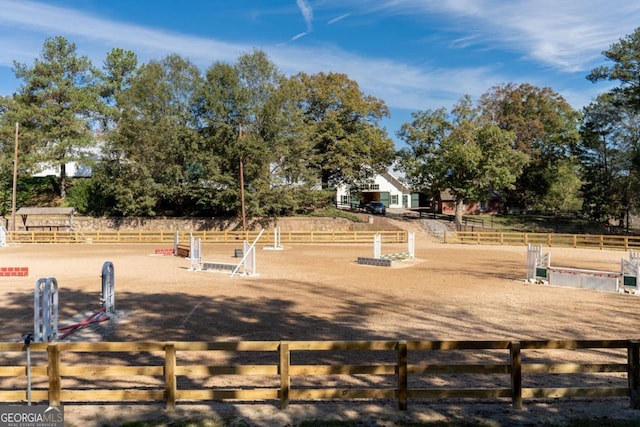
{"x": 318, "y": 292}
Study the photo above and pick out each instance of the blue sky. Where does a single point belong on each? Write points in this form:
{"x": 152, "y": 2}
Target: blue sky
{"x": 413, "y": 54}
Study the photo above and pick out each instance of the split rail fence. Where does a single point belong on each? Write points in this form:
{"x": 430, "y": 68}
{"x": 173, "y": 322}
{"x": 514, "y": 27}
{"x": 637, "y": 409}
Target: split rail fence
{"x": 394, "y": 236}
{"x": 285, "y": 371}
{"x": 593, "y": 241}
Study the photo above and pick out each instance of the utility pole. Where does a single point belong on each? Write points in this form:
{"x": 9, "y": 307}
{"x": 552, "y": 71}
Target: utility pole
{"x": 244, "y": 217}
{"x": 15, "y": 182}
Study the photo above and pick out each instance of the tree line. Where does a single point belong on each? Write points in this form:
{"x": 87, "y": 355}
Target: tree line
{"x": 165, "y": 138}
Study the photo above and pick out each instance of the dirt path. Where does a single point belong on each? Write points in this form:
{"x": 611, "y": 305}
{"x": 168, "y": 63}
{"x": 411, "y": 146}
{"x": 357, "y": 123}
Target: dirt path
{"x": 318, "y": 292}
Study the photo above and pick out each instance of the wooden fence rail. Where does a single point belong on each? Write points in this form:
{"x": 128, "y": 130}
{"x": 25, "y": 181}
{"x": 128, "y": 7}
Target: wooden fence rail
{"x": 284, "y": 371}
{"x": 594, "y": 241}
{"x": 160, "y": 236}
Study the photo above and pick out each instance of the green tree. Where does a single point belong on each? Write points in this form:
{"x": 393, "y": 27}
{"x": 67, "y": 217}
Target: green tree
{"x": 6, "y": 155}
{"x": 461, "y": 152}
{"x": 347, "y": 143}
{"x": 223, "y": 110}
{"x": 119, "y": 69}
{"x": 150, "y": 162}
{"x": 546, "y": 129}
{"x": 614, "y": 121}
{"x": 609, "y": 151}
{"x": 625, "y": 55}
{"x": 56, "y": 104}
{"x": 249, "y": 118}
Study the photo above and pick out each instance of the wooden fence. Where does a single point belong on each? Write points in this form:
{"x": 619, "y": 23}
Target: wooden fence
{"x": 396, "y": 236}
{"x": 284, "y": 371}
{"x": 593, "y": 241}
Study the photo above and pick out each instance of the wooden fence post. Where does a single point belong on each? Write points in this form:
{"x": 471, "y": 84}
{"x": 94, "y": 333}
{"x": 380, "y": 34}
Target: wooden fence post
{"x": 170, "y": 382}
{"x": 515, "y": 362}
{"x": 285, "y": 380}
{"x": 402, "y": 374}
{"x": 633, "y": 372}
{"x": 53, "y": 371}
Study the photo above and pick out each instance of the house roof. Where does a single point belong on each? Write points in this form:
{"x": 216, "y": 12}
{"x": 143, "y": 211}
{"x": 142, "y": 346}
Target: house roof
{"x": 395, "y": 181}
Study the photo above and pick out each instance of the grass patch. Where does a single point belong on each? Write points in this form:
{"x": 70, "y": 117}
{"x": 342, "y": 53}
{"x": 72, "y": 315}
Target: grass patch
{"x": 333, "y": 212}
{"x": 542, "y": 223}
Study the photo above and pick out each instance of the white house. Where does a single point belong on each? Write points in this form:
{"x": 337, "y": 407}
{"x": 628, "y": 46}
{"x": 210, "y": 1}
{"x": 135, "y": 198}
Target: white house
{"x": 73, "y": 170}
{"x": 384, "y": 188}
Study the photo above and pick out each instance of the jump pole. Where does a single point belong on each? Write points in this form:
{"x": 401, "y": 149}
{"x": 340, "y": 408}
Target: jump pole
{"x": 108, "y": 296}
{"x": 3, "y": 236}
{"x": 176, "y": 241}
{"x": 277, "y": 243}
{"x": 248, "y": 257}
{"x": 377, "y": 246}
{"x": 412, "y": 245}
{"x": 45, "y": 310}
{"x": 195, "y": 251}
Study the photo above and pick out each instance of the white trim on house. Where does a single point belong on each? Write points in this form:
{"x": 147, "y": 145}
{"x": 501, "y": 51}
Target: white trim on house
{"x": 73, "y": 170}
{"x": 384, "y": 187}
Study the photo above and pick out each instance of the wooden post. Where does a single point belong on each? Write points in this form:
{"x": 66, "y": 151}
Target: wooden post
{"x": 170, "y": 382}
{"x": 515, "y": 360}
{"x": 633, "y": 373}
{"x": 285, "y": 380}
{"x": 53, "y": 354}
{"x": 402, "y": 374}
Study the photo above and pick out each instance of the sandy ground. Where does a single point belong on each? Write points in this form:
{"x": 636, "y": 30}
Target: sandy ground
{"x": 318, "y": 292}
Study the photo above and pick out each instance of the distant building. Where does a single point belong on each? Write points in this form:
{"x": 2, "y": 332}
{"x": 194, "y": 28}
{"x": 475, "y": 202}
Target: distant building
{"x": 73, "y": 169}
{"x": 384, "y": 188}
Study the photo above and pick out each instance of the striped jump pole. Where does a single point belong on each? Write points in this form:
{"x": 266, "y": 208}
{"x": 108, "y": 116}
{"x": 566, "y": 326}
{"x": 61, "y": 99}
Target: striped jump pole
{"x": 108, "y": 296}
{"x": 45, "y": 310}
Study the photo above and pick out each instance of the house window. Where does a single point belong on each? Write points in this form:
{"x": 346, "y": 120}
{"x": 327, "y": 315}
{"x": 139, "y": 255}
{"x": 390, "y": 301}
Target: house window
{"x": 344, "y": 199}
{"x": 394, "y": 199}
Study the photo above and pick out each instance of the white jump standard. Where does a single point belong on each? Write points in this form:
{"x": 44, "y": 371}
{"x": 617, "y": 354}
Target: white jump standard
{"x": 45, "y": 308}
{"x": 246, "y": 266}
{"x": 540, "y": 270}
{"x": 386, "y": 260}
{"x": 277, "y": 243}
{"x": 3, "y": 236}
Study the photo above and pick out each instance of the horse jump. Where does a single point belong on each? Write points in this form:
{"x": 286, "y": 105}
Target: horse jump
{"x": 386, "y": 260}
{"x": 246, "y": 266}
{"x": 540, "y": 270}
{"x": 45, "y": 307}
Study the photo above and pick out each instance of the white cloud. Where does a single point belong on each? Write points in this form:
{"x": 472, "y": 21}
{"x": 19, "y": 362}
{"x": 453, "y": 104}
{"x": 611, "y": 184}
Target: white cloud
{"x": 307, "y": 14}
{"x": 338, "y": 18}
{"x": 567, "y": 35}
{"x": 297, "y": 36}
{"x": 21, "y": 22}
{"x": 561, "y": 39}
